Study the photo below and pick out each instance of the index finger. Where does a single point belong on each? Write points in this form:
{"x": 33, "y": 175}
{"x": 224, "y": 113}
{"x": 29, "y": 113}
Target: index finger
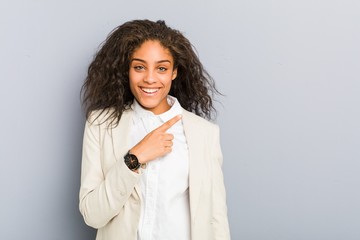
{"x": 169, "y": 123}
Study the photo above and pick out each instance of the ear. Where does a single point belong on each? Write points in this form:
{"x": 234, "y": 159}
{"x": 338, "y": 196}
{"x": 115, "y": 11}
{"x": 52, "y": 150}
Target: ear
{"x": 174, "y": 74}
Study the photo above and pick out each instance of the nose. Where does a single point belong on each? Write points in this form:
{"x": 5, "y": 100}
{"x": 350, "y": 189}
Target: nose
{"x": 150, "y": 77}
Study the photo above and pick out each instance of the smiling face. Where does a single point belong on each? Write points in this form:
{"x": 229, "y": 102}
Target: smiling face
{"x": 150, "y": 75}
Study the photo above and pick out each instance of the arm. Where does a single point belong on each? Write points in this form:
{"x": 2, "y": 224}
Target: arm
{"x": 102, "y": 195}
{"x": 219, "y": 209}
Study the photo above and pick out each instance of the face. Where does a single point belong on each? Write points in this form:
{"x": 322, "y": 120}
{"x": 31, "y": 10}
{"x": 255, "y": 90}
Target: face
{"x": 151, "y": 73}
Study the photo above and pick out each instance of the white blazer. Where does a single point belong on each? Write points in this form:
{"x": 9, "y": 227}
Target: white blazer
{"x": 110, "y": 197}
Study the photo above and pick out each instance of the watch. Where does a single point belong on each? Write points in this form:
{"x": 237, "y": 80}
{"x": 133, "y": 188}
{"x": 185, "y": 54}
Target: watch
{"x": 131, "y": 161}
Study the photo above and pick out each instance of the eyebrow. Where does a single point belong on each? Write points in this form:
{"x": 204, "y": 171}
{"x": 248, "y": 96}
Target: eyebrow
{"x": 141, "y": 60}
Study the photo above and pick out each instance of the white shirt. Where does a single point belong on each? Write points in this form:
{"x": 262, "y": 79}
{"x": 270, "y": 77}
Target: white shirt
{"x": 165, "y": 212}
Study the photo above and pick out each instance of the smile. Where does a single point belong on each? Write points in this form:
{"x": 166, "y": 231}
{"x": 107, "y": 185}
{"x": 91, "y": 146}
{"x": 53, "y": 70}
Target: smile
{"x": 150, "y": 90}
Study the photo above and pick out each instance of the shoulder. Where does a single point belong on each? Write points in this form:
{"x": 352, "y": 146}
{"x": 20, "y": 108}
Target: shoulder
{"x": 103, "y": 117}
{"x": 200, "y": 123}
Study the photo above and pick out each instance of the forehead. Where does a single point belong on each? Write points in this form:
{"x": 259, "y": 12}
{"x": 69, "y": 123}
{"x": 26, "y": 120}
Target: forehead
{"x": 152, "y": 49}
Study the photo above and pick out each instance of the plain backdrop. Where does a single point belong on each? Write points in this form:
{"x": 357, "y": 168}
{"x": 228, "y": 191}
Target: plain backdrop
{"x": 290, "y": 114}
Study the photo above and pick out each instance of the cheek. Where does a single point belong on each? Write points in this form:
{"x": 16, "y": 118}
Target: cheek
{"x": 132, "y": 82}
{"x": 169, "y": 83}
{"x": 167, "y": 80}
{"x": 133, "y": 78}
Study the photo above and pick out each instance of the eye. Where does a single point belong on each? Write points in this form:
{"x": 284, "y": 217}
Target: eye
{"x": 162, "y": 69}
{"x": 139, "y": 68}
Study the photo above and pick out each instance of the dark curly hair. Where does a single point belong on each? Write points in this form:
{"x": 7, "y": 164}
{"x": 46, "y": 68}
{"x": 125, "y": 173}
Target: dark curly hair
{"x": 106, "y": 86}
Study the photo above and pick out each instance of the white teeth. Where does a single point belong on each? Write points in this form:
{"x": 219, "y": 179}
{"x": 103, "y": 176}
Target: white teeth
{"x": 150, "y": 90}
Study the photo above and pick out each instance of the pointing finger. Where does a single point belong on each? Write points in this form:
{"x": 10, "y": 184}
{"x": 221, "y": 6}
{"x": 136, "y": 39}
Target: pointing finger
{"x": 169, "y": 123}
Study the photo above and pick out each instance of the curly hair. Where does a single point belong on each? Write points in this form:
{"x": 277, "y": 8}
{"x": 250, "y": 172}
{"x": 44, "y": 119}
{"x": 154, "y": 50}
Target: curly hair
{"x": 107, "y": 83}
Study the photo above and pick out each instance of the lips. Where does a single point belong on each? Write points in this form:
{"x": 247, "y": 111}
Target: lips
{"x": 150, "y": 90}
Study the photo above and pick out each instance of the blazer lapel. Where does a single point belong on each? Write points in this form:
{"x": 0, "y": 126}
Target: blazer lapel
{"x": 195, "y": 161}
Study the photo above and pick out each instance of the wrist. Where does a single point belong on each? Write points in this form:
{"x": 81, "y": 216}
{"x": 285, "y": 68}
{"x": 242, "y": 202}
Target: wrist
{"x": 136, "y": 152}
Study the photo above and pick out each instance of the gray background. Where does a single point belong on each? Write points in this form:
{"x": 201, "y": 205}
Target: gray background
{"x": 290, "y": 117}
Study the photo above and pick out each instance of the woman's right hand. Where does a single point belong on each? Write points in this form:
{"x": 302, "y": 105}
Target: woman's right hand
{"x": 155, "y": 144}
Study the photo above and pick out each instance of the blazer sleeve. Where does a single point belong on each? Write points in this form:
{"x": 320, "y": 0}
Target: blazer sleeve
{"x": 102, "y": 193}
{"x": 219, "y": 212}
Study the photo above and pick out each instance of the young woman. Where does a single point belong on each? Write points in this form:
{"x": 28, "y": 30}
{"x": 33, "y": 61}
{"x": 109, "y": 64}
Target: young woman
{"x": 151, "y": 165}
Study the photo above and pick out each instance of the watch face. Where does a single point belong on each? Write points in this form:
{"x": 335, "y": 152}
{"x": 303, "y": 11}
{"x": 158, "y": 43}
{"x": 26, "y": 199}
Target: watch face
{"x": 131, "y": 161}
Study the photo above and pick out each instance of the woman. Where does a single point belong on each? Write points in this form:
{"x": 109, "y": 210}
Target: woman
{"x": 151, "y": 166}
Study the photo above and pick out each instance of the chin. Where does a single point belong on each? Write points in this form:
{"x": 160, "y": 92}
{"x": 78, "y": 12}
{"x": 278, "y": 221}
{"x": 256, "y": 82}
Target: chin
{"x": 148, "y": 105}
